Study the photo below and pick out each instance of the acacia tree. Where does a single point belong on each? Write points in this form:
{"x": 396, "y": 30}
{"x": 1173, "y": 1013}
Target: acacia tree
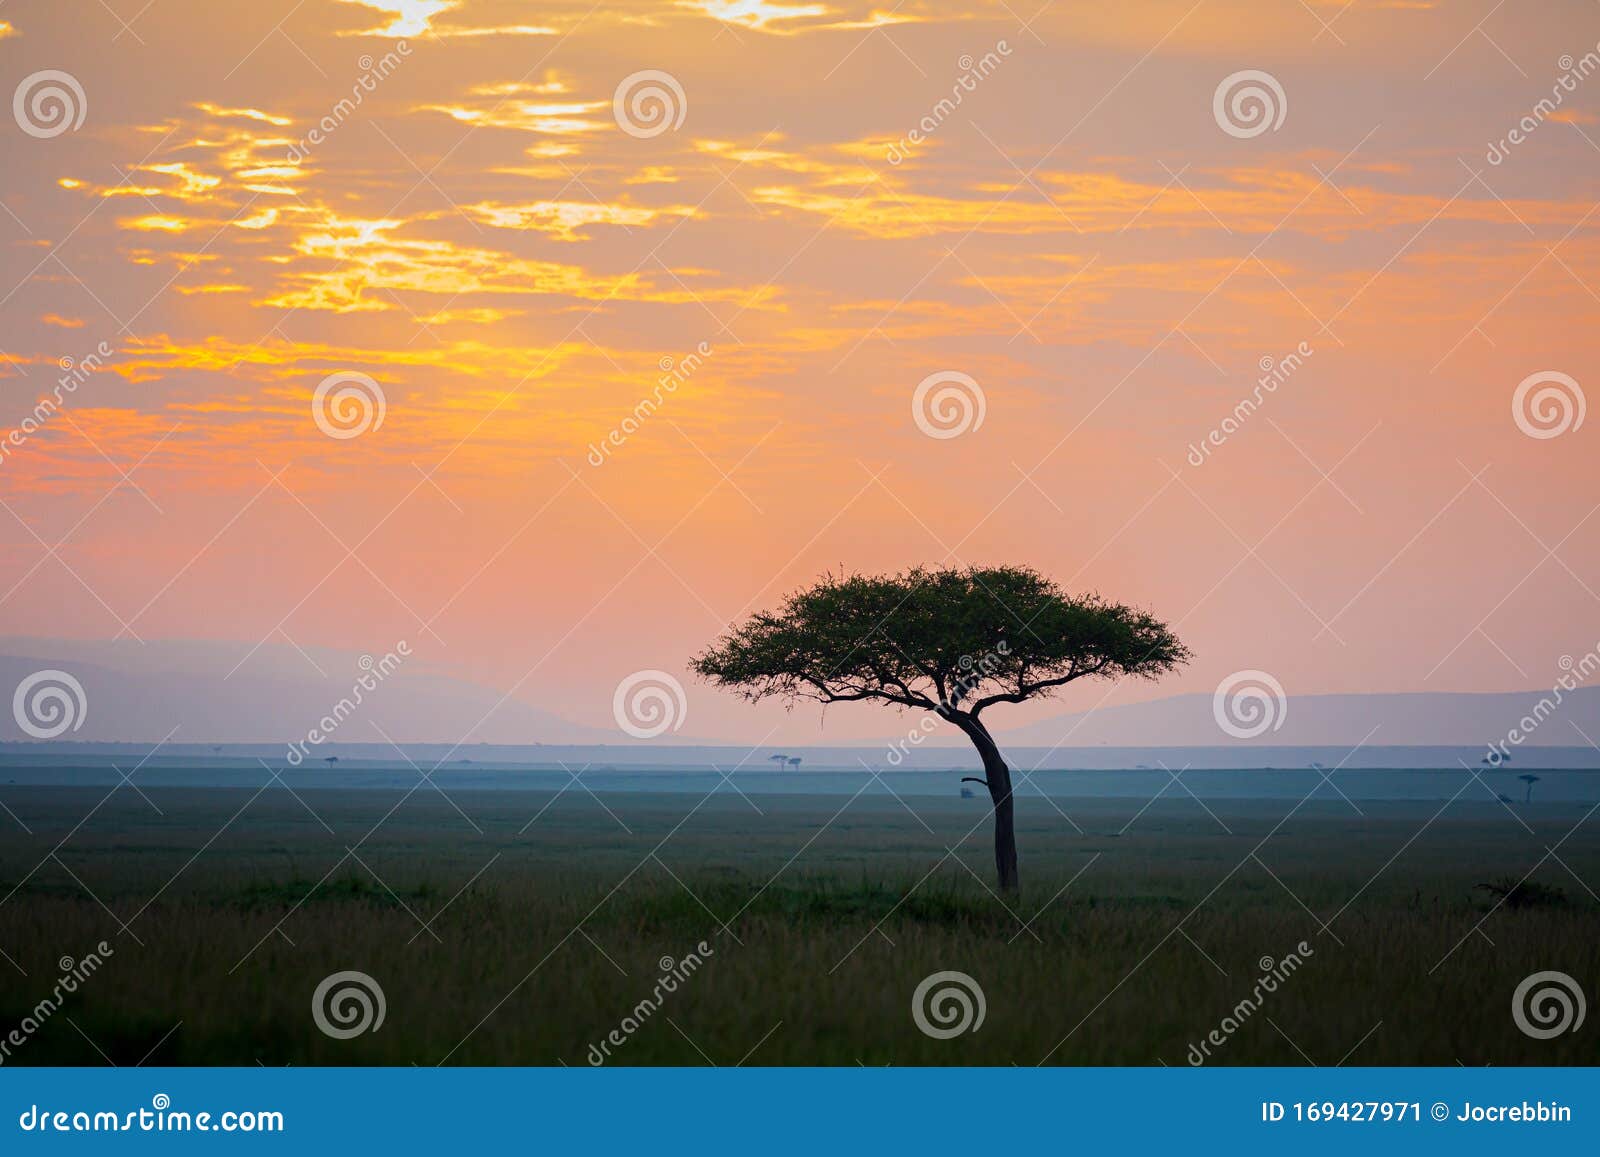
{"x": 950, "y": 641}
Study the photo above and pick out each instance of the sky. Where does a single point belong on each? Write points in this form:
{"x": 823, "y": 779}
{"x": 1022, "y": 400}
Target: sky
{"x": 551, "y": 339}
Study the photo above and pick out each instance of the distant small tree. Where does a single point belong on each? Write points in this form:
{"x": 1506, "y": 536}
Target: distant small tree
{"x": 331, "y": 760}
{"x": 1530, "y": 780}
{"x": 779, "y": 759}
{"x": 950, "y": 641}
{"x": 794, "y": 761}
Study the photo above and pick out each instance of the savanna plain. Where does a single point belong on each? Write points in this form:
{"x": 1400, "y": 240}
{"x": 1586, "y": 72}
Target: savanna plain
{"x": 522, "y": 927}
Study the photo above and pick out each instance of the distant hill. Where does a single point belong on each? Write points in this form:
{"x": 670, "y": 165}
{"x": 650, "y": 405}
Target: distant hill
{"x": 140, "y": 693}
{"x": 1420, "y": 719}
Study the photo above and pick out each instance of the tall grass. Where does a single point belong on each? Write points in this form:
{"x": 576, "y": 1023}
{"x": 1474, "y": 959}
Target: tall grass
{"x": 814, "y": 956}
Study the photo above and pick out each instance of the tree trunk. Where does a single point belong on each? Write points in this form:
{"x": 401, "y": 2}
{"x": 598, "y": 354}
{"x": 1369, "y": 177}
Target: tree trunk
{"x": 998, "y": 776}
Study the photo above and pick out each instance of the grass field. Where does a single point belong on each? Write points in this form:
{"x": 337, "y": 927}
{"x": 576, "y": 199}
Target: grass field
{"x": 522, "y": 927}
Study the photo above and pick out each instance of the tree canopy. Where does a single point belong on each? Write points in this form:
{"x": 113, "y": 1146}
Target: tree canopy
{"x": 954, "y": 641}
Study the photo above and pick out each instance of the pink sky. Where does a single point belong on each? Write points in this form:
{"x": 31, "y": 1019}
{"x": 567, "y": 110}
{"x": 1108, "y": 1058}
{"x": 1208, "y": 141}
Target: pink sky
{"x": 1080, "y": 237}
